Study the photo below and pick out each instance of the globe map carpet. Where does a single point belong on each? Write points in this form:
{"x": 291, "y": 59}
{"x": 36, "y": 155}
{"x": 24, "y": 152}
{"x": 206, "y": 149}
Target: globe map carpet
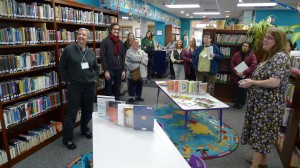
{"x": 201, "y": 137}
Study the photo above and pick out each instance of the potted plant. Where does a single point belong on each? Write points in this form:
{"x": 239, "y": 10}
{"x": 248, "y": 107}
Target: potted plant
{"x": 258, "y": 31}
{"x": 296, "y": 35}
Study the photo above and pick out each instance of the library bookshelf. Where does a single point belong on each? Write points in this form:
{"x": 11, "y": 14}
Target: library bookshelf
{"x": 172, "y": 31}
{"x": 229, "y": 42}
{"x": 286, "y": 148}
{"x": 33, "y": 35}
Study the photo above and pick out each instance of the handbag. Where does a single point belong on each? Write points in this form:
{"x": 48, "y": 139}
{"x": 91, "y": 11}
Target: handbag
{"x": 136, "y": 74}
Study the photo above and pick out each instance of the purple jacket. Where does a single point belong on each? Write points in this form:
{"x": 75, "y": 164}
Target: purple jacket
{"x": 187, "y": 64}
{"x": 250, "y": 61}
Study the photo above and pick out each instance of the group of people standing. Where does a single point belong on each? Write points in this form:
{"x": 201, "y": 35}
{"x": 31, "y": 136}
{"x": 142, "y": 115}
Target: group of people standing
{"x": 266, "y": 82}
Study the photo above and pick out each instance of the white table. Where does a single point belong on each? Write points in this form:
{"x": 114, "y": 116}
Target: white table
{"x": 115, "y": 146}
{"x": 218, "y": 105}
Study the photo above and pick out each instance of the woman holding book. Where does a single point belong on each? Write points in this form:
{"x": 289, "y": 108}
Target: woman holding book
{"x": 246, "y": 56}
{"x": 135, "y": 58}
{"x": 176, "y": 58}
{"x": 188, "y": 60}
{"x": 266, "y": 103}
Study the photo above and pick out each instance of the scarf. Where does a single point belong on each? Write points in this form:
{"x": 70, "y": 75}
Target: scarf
{"x": 115, "y": 39}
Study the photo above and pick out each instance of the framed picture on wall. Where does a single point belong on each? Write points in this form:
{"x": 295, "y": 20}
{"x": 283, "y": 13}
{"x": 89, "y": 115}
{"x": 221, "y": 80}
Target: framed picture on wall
{"x": 126, "y": 31}
{"x": 159, "y": 32}
{"x": 137, "y": 32}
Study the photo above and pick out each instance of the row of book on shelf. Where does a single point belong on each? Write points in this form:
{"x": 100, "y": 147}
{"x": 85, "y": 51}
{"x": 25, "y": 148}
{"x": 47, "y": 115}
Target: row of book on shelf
{"x": 138, "y": 117}
{"x": 41, "y": 35}
{"x": 12, "y": 63}
{"x": 295, "y": 59}
{"x": 24, "y": 142}
{"x": 232, "y": 38}
{"x": 22, "y": 111}
{"x": 295, "y": 158}
{"x": 226, "y": 51}
{"x": 13, "y": 89}
{"x": 44, "y": 11}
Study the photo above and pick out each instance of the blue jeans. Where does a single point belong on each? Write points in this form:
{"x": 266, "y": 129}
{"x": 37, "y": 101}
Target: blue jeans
{"x": 115, "y": 79}
{"x": 135, "y": 88}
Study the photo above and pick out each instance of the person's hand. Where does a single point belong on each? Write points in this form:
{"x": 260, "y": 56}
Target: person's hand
{"x": 245, "y": 83}
{"x": 107, "y": 75}
{"x": 123, "y": 75}
{"x": 240, "y": 74}
{"x": 212, "y": 55}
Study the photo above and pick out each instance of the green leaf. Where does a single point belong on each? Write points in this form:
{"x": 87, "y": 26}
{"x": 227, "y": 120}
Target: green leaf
{"x": 295, "y": 37}
{"x": 294, "y": 27}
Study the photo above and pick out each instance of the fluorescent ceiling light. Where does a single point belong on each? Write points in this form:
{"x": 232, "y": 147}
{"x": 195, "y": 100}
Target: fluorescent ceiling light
{"x": 187, "y": 14}
{"x": 206, "y": 13}
{"x": 191, "y": 16}
{"x": 181, "y": 11}
{"x": 255, "y": 4}
{"x": 227, "y": 11}
{"x": 184, "y": 6}
{"x": 124, "y": 17}
{"x": 226, "y": 16}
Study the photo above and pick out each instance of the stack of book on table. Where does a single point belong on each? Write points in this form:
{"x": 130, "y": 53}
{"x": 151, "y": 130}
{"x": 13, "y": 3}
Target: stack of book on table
{"x": 138, "y": 117}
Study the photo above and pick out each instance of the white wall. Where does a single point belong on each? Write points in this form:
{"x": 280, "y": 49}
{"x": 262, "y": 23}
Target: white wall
{"x": 133, "y": 24}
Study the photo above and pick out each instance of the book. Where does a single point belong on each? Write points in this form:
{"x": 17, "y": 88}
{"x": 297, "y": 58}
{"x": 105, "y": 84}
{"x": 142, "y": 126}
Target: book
{"x": 121, "y": 113}
{"x": 203, "y": 88}
{"x": 241, "y": 67}
{"x": 112, "y": 110}
{"x": 128, "y": 117}
{"x": 101, "y": 104}
{"x": 143, "y": 118}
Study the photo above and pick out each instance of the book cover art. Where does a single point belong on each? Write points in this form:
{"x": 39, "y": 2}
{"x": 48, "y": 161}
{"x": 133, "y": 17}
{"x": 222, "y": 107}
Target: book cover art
{"x": 183, "y": 87}
{"x": 143, "y": 118}
{"x": 128, "y": 116}
{"x": 176, "y": 85}
{"x": 196, "y": 85}
{"x": 121, "y": 113}
{"x": 203, "y": 88}
{"x": 101, "y": 104}
{"x": 170, "y": 86}
{"x": 112, "y": 111}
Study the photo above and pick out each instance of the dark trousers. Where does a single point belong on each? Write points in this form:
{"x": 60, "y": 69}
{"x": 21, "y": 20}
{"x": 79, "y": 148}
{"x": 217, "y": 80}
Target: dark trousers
{"x": 149, "y": 70}
{"x": 172, "y": 73}
{"x": 83, "y": 97}
{"x": 240, "y": 95}
{"x": 191, "y": 76}
{"x": 115, "y": 79}
{"x": 135, "y": 88}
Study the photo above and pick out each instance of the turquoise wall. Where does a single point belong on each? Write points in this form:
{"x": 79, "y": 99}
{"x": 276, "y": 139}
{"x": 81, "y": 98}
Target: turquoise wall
{"x": 90, "y": 2}
{"x": 160, "y": 26}
{"x": 282, "y": 18}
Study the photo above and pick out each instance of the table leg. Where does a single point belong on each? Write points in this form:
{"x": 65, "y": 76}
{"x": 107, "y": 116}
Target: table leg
{"x": 221, "y": 124}
{"x": 186, "y": 118}
{"x": 157, "y": 95}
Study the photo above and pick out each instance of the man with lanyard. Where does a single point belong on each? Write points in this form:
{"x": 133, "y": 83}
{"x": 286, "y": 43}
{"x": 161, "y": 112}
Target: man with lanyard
{"x": 79, "y": 71}
{"x": 113, "y": 61}
{"x": 206, "y": 61}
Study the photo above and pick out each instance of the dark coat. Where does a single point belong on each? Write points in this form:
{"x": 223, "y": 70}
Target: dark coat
{"x": 250, "y": 61}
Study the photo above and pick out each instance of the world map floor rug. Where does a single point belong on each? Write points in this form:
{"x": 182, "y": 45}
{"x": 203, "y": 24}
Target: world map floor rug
{"x": 201, "y": 137}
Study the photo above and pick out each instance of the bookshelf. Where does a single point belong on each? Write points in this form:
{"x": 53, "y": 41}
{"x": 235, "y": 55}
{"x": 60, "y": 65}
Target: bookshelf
{"x": 286, "y": 149}
{"x": 229, "y": 42}
{"x": 171, "y": 31}
{"x": 30, "y": 88}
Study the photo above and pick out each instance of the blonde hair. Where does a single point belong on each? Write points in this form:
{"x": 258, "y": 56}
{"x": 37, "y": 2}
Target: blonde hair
{"x": 176, "y": 46}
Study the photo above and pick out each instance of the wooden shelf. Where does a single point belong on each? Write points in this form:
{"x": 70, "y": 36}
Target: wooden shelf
{"x": 26, "y": 46}
{"x": 33, "y": 118}
{"x": 26, "y": 72}
{"x": 29, "y": 95}
{"x": 35, "y": 148}
{"x": 219, "y": 31}
{"x": 229, "y": 45}
{"x": 76, "y": 24}
{"x": 26, "y": 20}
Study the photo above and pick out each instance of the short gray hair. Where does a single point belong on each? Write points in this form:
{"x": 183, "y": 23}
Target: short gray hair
{"x": 86, "y": 30}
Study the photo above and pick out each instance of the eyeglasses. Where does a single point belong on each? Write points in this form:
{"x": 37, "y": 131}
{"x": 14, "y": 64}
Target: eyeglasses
{"x": 116, "y": 29}
{"x": 268, "y": 38}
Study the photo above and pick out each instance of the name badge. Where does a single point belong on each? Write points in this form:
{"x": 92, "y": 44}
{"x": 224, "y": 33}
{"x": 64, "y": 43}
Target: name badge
{"x": 84, "y": 65}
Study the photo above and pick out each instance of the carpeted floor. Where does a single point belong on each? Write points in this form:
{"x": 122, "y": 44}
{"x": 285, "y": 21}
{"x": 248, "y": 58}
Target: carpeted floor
{"x": 201, "y": 137}
{"x": 151, "y": 84}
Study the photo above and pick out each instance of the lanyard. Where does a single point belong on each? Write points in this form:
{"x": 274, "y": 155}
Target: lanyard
{"x": 83, "y": 54}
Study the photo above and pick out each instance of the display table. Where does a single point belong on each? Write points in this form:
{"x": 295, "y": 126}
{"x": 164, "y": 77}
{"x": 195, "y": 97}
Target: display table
{"x": 218, "y": 105}
{"x": 116, "y": 146}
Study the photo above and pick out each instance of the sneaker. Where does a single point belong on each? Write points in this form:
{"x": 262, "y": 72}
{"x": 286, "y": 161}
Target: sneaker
{"x": 139, "y": 99}
{"x": 131, "y": 101}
